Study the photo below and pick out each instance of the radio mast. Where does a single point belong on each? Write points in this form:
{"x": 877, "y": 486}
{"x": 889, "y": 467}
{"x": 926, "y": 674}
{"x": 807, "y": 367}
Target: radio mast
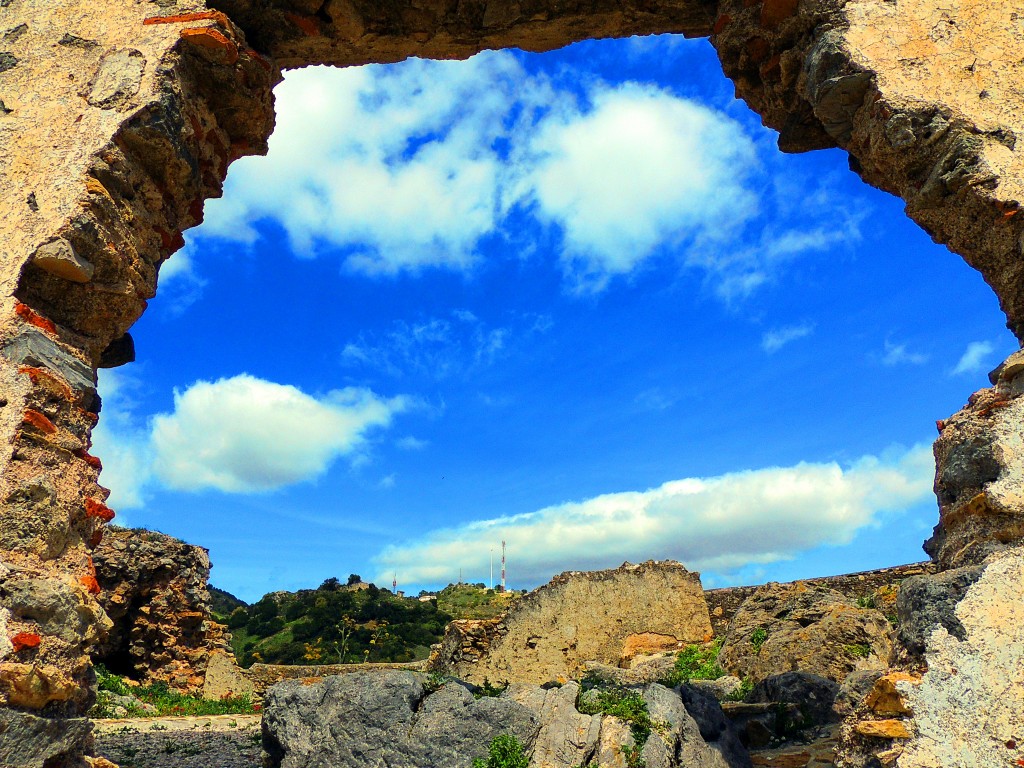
{"x": 502, "y": 565}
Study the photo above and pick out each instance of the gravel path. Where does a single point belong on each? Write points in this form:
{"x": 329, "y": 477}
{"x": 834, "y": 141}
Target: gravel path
{"x": 224, "y": 741}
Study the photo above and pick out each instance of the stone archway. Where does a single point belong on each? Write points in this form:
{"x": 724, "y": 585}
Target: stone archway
{"x": 118, "y": 120}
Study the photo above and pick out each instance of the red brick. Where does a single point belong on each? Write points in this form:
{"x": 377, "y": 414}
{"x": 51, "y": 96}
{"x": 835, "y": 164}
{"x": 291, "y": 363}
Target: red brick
{"x": 88, "y": 458}
{"x": 99, "y": 510}
{"x": 210, "y": 38}
{"x": 40, "y": 422}
{"x": 181, "y": 18}
{"x": 24, "y": 640}
{"x": 32, "y": 317}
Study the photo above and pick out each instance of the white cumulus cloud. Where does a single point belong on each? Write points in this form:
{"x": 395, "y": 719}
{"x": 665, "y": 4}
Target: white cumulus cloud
{"x": 239, "y": 435}
{"x": 401, "y": 168}
{"x": 975, "y": 358}
{"x": 721, "y": 522}
{"x": 245, "y": 434}
{"x": 641, "y": 168}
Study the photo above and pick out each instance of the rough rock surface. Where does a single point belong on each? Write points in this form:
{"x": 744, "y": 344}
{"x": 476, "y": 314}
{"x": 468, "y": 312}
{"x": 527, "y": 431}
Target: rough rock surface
{"x": 118, "y": 119}
{"x": 154, "y": 589}
{"x": 879, "y": 586}
{"x": 575, "y": 618}
{"x": 566, "y": 736}
{"x": 387, "y": 717}
{"x": 974, "y": 685}
{"x": 812, "y": 695}
{"x": 795, "y": 627}
{"x": 926, "y": 602}
{"x": 979, "y": 478}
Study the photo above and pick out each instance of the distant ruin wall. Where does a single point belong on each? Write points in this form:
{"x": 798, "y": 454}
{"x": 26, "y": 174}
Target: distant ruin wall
{"x": 724, "y": 602}
{"x": 119, "y": 119}
{"x": 154, "y": 589}
{"x": 604, "y": 616}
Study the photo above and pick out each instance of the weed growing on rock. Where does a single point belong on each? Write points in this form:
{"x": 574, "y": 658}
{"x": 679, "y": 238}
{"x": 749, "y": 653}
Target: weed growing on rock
{"x": 858, "y": 650}
{"x": 107, "y": 681}
{"x": 505, "y": 751}
{"x": 757, "y": 638}
{"x": 435, "y": 681}
{"x": 741, "y": 693}
{"x": 628, "y": 706}
{"x": 695, "y": 662}
{"x": 632, "y": 756}
{"x": 489, "y": 689}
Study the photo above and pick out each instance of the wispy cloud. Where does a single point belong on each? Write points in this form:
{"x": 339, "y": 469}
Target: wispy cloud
{"x": 238, "y": 435}
{"x": 443, "y": 155}
{"x": 439, "y": 347}
{"x": 975, "y": 359}
{"x": 410, "y": 443}
{"x": 774, "y": 340}
{"x": 720, "y": 523}
{"x": 899, "y": 354}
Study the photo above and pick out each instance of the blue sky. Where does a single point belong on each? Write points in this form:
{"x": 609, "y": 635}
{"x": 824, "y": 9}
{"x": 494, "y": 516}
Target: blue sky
{"x": 577, "y": 301}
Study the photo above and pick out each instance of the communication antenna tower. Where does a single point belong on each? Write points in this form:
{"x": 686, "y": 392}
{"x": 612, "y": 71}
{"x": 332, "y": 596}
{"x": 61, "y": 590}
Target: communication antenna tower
{"x": 394, "y": 583}
{"x": 502, "y": 565}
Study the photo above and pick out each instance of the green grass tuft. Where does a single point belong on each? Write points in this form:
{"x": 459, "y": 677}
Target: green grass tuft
{"x": 696, "y": 662}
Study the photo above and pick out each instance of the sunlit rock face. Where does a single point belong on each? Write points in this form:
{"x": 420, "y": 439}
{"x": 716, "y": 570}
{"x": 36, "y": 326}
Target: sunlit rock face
{"x": 605, "y": 616}
{"x": 117, "y": 121}
{"x": 979, "y": 478}
{"x": 154, "y": 589}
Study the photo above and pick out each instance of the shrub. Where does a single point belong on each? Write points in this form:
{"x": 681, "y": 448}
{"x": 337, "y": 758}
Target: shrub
{"x": 628, "y": 706}
{"x": 757, "y": 638}
{"x": 741, "y": 693}
{"x": 489, "y": 689}
{"x": 695, "y": 662}
{"x": 107, "y": 681}
{"x": 505, "y": 751}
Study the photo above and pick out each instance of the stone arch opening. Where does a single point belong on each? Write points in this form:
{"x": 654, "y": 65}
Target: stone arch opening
{"x": 103, "y": 172}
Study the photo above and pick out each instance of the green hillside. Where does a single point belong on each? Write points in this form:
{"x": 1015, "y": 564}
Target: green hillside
{"x": 223, "y": 603}
{"x": 475, "y": 601}
{"x": 334, "y": 624}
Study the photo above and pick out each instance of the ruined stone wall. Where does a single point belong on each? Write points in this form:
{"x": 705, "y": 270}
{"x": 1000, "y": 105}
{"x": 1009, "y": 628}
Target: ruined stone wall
{"x": 723, "y": 603}
{"x": 154, "y": 589}
{"x": 118, "y": 118}
{"x": 605, "y": 616}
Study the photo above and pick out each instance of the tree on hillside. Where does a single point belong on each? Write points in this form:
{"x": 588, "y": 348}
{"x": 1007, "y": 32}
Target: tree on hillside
{"x": 353, "y": 579}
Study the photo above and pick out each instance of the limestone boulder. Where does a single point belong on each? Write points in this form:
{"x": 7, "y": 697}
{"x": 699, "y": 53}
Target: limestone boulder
{"x": 348, "y": 720}
{"x": 797, "y": 627}
{"x": 29, "y": 741}
{"x": 390, "y": 718}
{"x": 566, "y": 737}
